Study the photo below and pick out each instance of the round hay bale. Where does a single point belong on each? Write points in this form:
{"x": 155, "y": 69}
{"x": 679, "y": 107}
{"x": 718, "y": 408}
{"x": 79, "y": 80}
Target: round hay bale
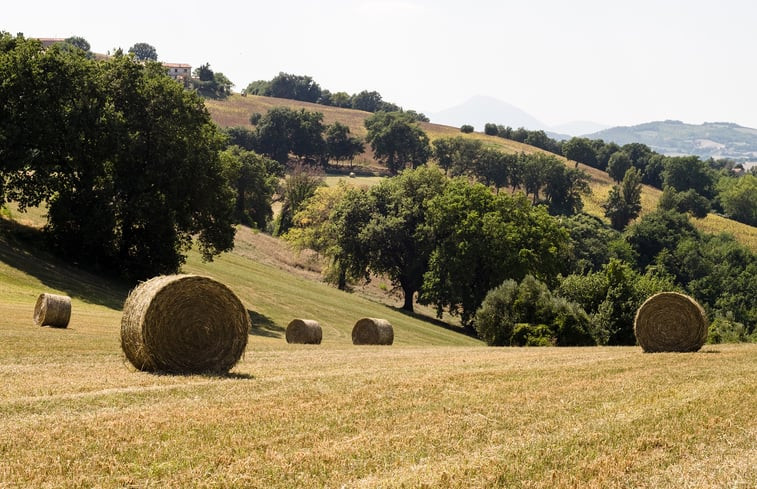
{"x": 304, "y": 331}
{"x": 52, "y": 310}
{"x": 372, "y": 331}
{"x": 184, "y": 324}
{"x": 670, "y": 322}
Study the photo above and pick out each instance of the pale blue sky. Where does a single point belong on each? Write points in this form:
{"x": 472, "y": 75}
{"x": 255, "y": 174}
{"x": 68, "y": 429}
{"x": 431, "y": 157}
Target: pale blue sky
{"x": 616, "y": 63}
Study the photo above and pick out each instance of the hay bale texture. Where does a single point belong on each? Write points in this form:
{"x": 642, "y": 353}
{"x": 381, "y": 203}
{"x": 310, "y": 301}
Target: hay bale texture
{"x": 670, "y": 322}
{"x": 52, "y": 310}
{"x": 184, "y": 324}
{"x": 372, "y": 331}
{"x": 304, "y": 331}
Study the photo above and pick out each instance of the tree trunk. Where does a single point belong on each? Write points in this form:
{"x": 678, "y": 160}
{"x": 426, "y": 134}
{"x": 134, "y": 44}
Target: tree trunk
{"x": 408, "y": 305}
{"x": 342, "y": 281}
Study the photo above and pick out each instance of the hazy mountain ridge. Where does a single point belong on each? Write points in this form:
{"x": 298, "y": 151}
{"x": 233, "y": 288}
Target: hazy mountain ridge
{"x": 670, "y": 137}
{"x": 710, "y": 139}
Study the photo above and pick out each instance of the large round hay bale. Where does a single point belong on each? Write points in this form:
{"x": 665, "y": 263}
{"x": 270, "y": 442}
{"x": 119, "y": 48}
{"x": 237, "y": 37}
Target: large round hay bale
{"x": 304, "y": 331}
{"x": 52, "y": 310}
{"x": 372, "y": 331}
{"x": 670, "y": 321}
{"x": 184, "y": 324}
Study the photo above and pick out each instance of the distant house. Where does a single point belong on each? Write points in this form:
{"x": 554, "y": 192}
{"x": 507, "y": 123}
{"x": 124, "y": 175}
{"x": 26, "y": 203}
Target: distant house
{"x": 49, "y": 41}
{"x": 178, "y": 71}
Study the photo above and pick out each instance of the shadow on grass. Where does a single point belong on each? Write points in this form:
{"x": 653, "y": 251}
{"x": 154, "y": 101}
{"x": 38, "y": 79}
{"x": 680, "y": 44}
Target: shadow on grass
{"x": 264, "y": 326}
{"x": 206, "y": 375}
{"x": 21, "y": 248}
{"x": 435, "y": 322}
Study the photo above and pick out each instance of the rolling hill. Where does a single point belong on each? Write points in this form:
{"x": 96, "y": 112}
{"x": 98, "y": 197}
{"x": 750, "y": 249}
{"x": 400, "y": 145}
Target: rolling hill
{"x": 675, "y": 138}
{"x": 236, "y": 111}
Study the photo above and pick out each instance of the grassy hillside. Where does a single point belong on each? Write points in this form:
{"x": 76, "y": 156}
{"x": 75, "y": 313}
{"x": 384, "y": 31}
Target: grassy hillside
{"x": 275, "y": 286}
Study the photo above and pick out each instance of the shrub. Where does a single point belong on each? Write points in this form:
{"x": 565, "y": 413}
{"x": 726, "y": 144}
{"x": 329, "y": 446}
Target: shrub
{"x": 528, "y": 314}
{"x": 466, "y": 128}
{"x": 525, "y": 334}
{"x": 495, "y": 319}
{"x": 724, "y": 329}
{"x": 491, "y": 129}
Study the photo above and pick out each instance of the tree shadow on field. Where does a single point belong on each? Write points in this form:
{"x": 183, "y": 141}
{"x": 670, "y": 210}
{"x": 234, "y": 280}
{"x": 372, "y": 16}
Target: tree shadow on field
{"x": 22, "y": 248}
{"x": 436, "y": 322}
{"x": 262, "y": 325}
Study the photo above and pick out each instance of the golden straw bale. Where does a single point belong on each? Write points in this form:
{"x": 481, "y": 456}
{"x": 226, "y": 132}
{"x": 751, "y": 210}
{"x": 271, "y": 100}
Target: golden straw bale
{"x": 304, "y": 331}
{"x": 52, "y": 310}
{"x": 670, "y": 322}
{"x": 184, "y": 324}
{"x": 372, "y": 331}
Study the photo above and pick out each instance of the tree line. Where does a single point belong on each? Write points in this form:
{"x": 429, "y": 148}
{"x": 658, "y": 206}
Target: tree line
{"x": 305, "y": 89}
{"x": 690, "y": 184}
{"x": 515, "y": 274}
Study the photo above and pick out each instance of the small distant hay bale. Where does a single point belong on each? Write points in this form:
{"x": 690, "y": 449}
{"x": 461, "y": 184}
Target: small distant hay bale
{"x": 304, "y": 331}
{"x": 372, "y": 331}
{"x": 352, "y": 174}
{"x": 670, "y": 322}
{"x": 52, "y": 310}
{"x": 184, "y": 324}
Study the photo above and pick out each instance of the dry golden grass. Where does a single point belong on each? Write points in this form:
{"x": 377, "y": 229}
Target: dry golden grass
{"x": 75, "y": 415}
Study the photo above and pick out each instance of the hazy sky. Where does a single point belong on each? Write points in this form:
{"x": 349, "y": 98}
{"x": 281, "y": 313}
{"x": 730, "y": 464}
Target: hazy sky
{"x": 612, "y": 62}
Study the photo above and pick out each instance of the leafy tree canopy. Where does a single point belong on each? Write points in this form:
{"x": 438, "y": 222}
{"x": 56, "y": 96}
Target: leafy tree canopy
{"x": 397, "y": 141}
{"x": 481, "y": 240}
{"x": 127, "y": 186}
{"x": 143, "y": 51}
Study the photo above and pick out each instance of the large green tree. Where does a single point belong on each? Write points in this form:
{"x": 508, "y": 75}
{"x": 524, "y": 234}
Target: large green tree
{"x": 689, "y": 173}
{"x": 283, "y": 131}
{"x": 580, "y": 150}
{"x": 126, "y": 159}
{"x": 340, "y": 145}
{"x": 481, "y": 240}
{"x": 397, "y": 141}
{"x": 143, "y": 51}
{"x": 397, "y": 236}
{"x": 618, "y": 165}
{"x": 294, "y": 191}
{"x": 624, "y": 201}
{"x": 295, "y": 87}
{"x": 738, "y": 196}
{"x": 254, "y": 178}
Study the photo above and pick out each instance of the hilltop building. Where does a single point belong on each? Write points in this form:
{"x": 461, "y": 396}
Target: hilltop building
{"x": 179, "y": 71}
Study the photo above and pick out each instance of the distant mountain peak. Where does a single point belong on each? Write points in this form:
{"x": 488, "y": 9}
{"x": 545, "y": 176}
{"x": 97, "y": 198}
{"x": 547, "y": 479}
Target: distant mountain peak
{"x": 482, "y": 109}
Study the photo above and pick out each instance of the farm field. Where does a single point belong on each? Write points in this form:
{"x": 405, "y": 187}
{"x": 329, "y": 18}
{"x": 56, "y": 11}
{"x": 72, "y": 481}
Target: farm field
{"x": 436, "y": 409}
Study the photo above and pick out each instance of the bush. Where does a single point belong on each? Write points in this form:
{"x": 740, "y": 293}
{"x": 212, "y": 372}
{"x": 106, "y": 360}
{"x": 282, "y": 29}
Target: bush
{"x": 495, "y": 319}
{"x": 255, "y": 118}
{"x": 528, "y": 314}
{"x": 466, "y": 128}
{"x": 525, "y": 334}
{"x": 726, "y": 330}
{"x": 491, "y": 129}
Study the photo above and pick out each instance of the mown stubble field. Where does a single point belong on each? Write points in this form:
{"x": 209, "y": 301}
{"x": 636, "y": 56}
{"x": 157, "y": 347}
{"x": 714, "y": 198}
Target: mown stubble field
{"x": 75, "y": 414}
